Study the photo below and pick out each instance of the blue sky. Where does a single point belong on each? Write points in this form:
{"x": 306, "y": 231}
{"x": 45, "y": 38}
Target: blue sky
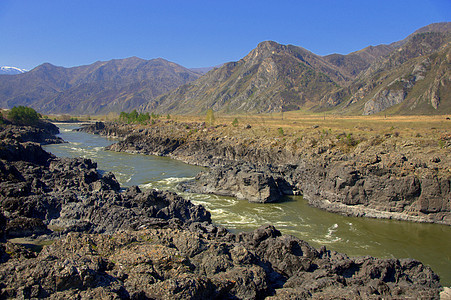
{"x": 199, "y": 33}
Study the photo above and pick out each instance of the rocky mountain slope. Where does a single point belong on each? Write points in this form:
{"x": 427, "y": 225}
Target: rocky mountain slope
{"x": 414, "y": 79}
{"x": 91, "y": 240}
{"x": 116, "y": 85}
{"x": 275, "y": 77}
{"x": 270, "y": 77}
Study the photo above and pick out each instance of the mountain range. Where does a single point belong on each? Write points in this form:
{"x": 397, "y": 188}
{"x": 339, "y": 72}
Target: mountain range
{"x": 411, "y": 76}
{"x": 406, "y": 77}
{"x": 99, "y": 88}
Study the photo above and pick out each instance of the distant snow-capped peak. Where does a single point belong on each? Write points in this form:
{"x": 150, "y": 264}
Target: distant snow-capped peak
{"x": 5, "y": 70}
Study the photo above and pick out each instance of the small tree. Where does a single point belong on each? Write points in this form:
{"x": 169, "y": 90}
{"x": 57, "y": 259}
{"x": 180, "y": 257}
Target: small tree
{"x": 143, "y": 118}
{"x": 133, "y": 116}
{"x": 123, "y": 116}
{"x": 235, "y": 122}
{"x": 210, "y": 117}
{"x": 23, "y": 115}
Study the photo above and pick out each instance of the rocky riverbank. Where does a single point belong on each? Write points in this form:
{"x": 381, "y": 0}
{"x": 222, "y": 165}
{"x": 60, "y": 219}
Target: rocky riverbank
{"x": 373, "y": 176}
{"x": 93, "y": 240}
{"x": 42, "y": 132}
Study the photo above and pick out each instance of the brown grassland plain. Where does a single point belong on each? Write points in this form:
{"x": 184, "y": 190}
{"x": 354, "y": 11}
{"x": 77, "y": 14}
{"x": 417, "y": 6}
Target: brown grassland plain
{"x": 426, "y": 130}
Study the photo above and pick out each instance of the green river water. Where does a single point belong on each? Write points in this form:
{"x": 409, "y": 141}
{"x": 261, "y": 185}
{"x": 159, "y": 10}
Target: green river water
{"x": 429, "y": 243}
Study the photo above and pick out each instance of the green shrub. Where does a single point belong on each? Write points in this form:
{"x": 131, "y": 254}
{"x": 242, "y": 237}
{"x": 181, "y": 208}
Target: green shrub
{"x": 280, "y": 131}
{"x": 23, "y": 115}
{"x": 134, "y": 117}
{"x": 235, "y": 122}
{"x": 350, "y": 140}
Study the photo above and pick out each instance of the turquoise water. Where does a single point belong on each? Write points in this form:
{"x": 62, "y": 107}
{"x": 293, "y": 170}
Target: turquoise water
{"x": 429, "y": 243}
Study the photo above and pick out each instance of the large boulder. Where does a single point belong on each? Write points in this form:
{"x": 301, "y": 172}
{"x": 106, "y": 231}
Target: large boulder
{"x": 244, "y": 181}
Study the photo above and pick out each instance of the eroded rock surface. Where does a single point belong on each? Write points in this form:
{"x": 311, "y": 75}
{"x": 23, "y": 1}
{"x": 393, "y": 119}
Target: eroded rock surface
{"x": 197, "y": 263}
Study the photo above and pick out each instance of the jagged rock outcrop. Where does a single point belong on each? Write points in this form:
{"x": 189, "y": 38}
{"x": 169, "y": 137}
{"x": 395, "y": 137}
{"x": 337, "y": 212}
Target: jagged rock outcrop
{"x": 171, "y": 263}
{"x": 39, "y": 192}
{"x": 383, "y": 100}
{"x": 43, "y": 132}
{"x": 242, "y": 181}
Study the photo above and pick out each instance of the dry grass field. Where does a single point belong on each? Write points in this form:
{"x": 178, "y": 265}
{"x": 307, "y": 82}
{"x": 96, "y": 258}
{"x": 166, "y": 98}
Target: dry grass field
{"x": 417, "y": 127}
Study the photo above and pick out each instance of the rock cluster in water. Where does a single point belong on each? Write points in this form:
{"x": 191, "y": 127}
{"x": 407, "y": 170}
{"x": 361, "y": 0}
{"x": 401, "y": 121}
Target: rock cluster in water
{"x": 379, "y": 178}
{"x": 103, "y": 242}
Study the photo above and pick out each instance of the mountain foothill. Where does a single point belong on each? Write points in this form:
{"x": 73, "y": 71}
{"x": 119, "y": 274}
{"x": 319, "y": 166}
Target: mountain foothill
{"x": 411, "y": 76}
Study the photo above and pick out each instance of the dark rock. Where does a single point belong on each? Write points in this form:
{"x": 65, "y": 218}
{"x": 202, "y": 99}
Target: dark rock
{"x": 3, "y": 222}
{"x": 241, "y": 181}
{"x": 21, "y": 226}
{"x": 43, "y": 132}
{"x": 28, "y": 151}
{"x": 39, "y": 191}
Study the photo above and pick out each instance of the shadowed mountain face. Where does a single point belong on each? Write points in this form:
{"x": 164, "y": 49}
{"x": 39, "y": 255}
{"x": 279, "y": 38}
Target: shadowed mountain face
{"x": 116, "y": 85}
{"x": 275, "y": 77}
